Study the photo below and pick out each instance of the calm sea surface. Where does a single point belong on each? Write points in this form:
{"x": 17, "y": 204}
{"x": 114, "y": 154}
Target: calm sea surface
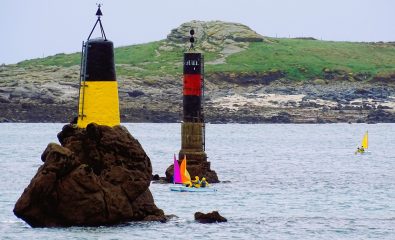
{"x": 286, "y": 182}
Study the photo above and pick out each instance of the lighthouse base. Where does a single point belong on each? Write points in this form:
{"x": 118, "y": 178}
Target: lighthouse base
{"x": 192, "y": 138}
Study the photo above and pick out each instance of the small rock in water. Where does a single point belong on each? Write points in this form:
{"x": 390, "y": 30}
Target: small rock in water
{"x": 155, "y": 177}
{"x": 212, "y": 217}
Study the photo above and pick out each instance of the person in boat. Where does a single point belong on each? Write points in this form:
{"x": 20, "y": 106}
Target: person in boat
{"x": 361, "y": 149}
{"x": 204, "y": 183}
{"x": 196, "y": 183}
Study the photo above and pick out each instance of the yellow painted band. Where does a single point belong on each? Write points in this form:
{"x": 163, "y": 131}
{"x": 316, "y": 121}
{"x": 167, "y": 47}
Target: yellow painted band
{"x": 99, "y": 103}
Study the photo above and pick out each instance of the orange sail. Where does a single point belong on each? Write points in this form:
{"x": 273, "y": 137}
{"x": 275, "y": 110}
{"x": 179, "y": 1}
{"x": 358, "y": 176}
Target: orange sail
{"x": 177, "y": 173}
{"x": 185, "y": 177}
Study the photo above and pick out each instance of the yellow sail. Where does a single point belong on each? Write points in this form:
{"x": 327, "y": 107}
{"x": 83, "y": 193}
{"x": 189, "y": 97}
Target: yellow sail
{"x": 187, "y": 175}
{"x": 365, "y": 140}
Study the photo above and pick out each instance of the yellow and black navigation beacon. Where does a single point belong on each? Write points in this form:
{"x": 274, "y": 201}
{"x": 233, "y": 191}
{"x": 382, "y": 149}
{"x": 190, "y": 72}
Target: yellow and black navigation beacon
{"x": 98, "y": 93}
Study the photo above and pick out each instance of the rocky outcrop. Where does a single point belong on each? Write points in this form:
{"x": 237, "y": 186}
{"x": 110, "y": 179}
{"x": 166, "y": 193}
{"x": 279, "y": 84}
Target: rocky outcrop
{"x": 224, "y": 38}
{"x": 282, "y": 117}
{"x": 214, "y": 31}
{"x": 213, "y": 217}
{"x": 97, "y": 176}
{"x": 245, "y": 79}
{"x": 380, "y": 116}
{"x": 229, "y": 99}
{"x": 389, "y": 78}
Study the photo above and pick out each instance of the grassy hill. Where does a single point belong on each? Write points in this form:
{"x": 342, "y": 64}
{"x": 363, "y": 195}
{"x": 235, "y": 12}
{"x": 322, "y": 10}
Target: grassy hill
{"x": 298, "y": 59}
{"x": 306, "y": 59}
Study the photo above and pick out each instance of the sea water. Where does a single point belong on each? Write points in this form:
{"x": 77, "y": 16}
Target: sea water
{"x": 281, "y": 182}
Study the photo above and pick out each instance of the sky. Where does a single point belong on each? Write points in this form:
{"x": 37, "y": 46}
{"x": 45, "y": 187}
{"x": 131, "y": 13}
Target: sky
{"x": 39, "y": 28}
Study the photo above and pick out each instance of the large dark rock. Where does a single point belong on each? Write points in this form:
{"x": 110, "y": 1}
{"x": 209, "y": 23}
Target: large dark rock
{"x": 98, "y": 176}
{"x": 212, "y": 217}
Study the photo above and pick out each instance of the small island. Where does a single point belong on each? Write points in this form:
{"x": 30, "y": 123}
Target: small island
{"x": 249, "y": 78}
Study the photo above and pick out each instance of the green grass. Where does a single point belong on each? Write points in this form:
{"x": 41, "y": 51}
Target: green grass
{"x": 299, "y": 59}
{"x": 148, "y": 58}
{"x": 306, "y": 59}
{"x": 60, "y": 60}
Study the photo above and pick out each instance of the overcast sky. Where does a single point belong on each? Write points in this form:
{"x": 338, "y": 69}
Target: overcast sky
{"x": 37, "y": 28}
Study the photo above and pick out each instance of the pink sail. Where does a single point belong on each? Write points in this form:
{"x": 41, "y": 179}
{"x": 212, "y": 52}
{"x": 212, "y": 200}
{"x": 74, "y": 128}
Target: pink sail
{"x": 177, "y": 173}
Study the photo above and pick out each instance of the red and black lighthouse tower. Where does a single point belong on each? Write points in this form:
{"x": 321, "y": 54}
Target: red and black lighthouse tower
{"x": 193, "y": 88}
{"x": 193, "y": 124}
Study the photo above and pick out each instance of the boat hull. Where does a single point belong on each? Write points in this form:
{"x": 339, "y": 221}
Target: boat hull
{"x": 363, "y": 153}
{"x": 191, "y": 189}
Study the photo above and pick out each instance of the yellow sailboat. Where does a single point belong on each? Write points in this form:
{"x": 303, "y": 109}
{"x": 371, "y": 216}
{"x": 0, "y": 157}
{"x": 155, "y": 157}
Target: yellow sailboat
{"x": 364, "y": 145}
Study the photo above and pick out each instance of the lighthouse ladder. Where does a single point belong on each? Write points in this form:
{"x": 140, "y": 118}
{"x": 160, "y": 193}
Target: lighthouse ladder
{"x": 83, "y": 75}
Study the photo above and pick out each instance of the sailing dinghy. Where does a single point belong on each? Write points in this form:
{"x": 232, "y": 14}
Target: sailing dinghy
{"x": 364, "y": 145}
{"x": 181, "y": 176}
{"x": 183, "y": 188}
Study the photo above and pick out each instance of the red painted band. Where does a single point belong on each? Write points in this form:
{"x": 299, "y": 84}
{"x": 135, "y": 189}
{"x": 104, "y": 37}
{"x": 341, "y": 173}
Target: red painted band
{"x": 192, "y": 85}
